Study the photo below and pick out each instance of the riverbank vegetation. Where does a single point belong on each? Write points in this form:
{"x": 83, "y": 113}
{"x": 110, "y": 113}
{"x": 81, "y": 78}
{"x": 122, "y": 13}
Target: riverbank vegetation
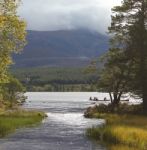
{"x": 12, "y": 40}
{"x": 129, "y": 130}
{"x": 12, "y": 31}
{"x": 125, "y": 64}
{"x": 15, "y": 119}
{"x": 125, "y": 71}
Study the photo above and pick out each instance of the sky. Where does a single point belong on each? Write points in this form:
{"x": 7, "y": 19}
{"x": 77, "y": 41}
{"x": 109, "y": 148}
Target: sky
{"x": 52, "y": 15}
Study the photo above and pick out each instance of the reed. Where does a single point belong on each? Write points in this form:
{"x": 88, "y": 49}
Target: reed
{"x": 127, "y": 130}
{"x": 121, "y": 147}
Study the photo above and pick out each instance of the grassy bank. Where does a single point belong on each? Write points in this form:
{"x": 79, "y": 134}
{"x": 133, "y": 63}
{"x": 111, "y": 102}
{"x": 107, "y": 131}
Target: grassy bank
{"x": 127, "y": 130}
{"x": 12, "y": 120}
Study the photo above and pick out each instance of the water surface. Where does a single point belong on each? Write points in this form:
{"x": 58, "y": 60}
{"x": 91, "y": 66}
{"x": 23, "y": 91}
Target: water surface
{"x": 63, "y": 129}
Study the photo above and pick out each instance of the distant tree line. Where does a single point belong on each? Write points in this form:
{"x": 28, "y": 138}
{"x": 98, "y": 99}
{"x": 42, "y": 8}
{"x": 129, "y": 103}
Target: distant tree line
{"x": 47, "y": 79}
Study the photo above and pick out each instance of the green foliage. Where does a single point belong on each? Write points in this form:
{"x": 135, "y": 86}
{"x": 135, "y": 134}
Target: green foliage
{"x": 130, "y": 33}
{"x": 120, "y": 109}
{"x": 12, "y": 120}
{"x": 94, "y": 133}
{"x": 125, "y": 66}
{"x": 12, "y": 31}
{"x": 12, "y": 40}
{"x": 13, "y": 91}
{"x": 56, "y": 79}
{"x": 115, "y": 75}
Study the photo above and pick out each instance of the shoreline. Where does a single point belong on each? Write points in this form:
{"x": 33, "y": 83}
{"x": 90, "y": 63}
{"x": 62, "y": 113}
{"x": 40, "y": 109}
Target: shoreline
{"x": 121, "y": 131}
{"x": 19, "y": 118}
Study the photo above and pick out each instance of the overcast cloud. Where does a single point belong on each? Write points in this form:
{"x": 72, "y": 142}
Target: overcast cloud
{"x": 67, "y": 14}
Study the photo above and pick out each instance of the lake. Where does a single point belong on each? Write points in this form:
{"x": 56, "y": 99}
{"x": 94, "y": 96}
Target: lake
{"x": 63, "y": 129}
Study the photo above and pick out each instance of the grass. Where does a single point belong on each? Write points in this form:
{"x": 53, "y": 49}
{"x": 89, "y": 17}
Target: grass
{"x": 121, "y": 147}
{"x": 121, "y": 129}
{"x": 12, "y": 120}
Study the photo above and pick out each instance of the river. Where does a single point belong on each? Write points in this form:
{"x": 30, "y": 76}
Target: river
{"x": 63, "y": 129}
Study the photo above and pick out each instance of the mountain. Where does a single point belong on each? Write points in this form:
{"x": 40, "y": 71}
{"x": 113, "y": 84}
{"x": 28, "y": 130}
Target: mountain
{"x": 61, "y": 48}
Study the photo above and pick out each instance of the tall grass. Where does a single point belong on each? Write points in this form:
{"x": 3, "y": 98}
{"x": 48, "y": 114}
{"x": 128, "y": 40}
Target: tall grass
{"x": 121, "y": 147}
{"x": 127, "y": 130}
{"x": 12, "y": 120}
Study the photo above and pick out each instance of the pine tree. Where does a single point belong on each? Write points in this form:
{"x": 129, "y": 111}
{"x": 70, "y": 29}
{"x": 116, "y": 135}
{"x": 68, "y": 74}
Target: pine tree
{"x": 115, "y": 75}
{"x": 129, "y": 30}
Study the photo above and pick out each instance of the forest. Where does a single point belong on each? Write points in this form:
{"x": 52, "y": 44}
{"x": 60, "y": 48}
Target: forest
{"x": 57, "y": 79}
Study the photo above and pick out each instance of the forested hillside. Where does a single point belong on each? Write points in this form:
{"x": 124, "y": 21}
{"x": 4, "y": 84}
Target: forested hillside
{"x": 61, "y": 48}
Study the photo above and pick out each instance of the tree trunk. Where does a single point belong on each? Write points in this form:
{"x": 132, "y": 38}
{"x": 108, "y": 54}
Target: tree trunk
{"x": 116, "y": 100}
{"x": 111, "y": 97}
{"x": 143, "y": 78}
{"x": 119, "y": 96}
{"x": 145, "y": 101}
{"x": 143, "y": 57}
{"x": 143, "y": 81}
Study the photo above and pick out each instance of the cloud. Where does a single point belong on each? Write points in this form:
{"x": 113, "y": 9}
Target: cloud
{"x": 67, "y": 14}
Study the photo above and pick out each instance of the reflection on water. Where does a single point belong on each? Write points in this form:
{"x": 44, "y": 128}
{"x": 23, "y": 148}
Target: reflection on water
{"x": 64, "y": 129}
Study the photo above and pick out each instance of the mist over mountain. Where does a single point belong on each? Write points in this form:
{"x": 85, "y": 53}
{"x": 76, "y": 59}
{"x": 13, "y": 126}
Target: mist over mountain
{"x": 72, "y": 48}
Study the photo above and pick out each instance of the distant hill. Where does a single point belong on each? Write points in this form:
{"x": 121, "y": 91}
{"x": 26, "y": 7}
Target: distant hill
{"x": 61, "y": 48}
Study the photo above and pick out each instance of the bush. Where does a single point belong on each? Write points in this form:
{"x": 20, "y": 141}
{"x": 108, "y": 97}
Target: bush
{"x": 13, "y": 92}
{"x": 120, "y": 109}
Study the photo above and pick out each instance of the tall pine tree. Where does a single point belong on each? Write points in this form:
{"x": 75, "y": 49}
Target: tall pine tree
{"x": 129, "y": 30}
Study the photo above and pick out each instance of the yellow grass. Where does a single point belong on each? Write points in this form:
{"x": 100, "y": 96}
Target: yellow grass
{"x": 127, "y": 130}
{"x": 121, "y": 147}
